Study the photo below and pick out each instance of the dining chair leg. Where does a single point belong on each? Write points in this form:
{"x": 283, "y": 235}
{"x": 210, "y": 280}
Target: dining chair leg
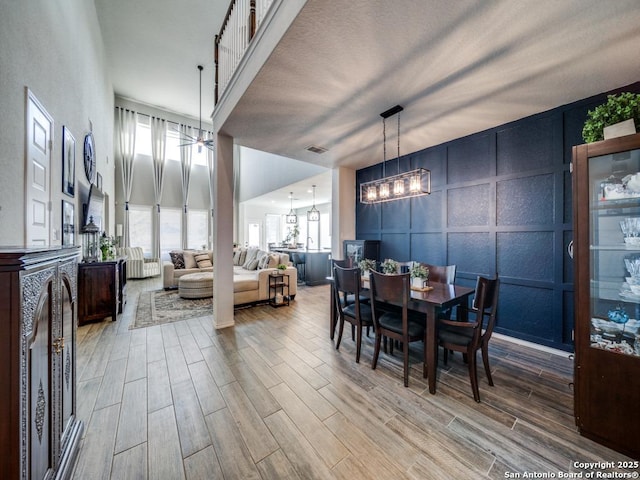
{"x": 446, "y": 355}
{"x": 405, "y": 358}
{"x": 376, "y": 351}
{"x": 473, "y": 376}
{"x": 358, "y": 342}
{"x": 340, "y": 333}
{"x": 424, "y": 354}
{"x": 353, "y": 332}
{"x": 485, "y": 361}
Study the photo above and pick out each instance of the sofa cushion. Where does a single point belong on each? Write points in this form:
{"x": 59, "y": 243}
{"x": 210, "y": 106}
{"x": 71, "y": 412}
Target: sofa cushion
{"x": 189, "y": 260}
{"x": 203, "y": 260}
{"x": 245, "y": 284}
{"x": 177, "y": 258}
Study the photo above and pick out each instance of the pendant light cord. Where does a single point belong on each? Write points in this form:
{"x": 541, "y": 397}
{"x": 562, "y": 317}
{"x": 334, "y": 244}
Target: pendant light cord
{"x": 398, "y": 142}
{"x": 200, "y": 113}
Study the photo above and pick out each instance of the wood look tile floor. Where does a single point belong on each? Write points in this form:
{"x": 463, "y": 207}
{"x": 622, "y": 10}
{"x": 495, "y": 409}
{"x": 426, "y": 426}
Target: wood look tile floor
{"x": 271, "y": 398}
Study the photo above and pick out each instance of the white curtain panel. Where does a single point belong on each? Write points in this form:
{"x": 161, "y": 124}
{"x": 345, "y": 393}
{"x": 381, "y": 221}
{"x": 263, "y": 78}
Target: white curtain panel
{"x": 126, "y": 144}
{"x": 185, "y": 164}
{"x": 158, "y": 152}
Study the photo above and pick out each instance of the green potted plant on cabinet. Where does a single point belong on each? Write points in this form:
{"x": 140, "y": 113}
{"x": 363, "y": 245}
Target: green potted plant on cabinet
{"x": 623, "y": 109}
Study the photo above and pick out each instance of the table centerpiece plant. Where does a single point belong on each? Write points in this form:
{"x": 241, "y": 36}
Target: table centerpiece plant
{"x": 419, "y": 275}
{"x": 365, "y": 265}
{"x": 389, "y": 266}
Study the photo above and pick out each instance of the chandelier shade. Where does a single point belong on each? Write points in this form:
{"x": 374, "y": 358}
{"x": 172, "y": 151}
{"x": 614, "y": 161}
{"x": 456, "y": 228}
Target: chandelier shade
{"x": 291, "y": 217}
{"x": 313, "y": 215}
{"x": 414, "y": 183}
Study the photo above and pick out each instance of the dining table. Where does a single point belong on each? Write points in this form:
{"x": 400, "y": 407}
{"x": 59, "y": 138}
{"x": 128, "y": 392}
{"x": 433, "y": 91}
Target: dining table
{"x": 439, "y": 297}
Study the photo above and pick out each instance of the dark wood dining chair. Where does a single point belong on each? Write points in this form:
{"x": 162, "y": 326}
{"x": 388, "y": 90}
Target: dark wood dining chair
{"x": 392, "y": 318}
{"x": 347, "y": 284}
{"x": 441, "y": 273}
{"x": 470, "y": 336}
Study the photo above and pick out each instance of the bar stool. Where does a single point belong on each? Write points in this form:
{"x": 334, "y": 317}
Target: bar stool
{"x": 298, "y": 260}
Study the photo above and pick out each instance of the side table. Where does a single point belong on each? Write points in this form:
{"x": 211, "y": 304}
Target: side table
{"x": 278, "y": 289}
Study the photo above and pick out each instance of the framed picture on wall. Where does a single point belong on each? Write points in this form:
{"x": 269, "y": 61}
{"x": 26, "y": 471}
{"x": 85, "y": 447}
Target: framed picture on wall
{"x": 68, "y": 223}
{"x": 68, "y": 162}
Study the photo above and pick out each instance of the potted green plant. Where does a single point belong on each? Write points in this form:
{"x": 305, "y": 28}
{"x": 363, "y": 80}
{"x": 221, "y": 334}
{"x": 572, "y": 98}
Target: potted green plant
{"x": 389, "y": 266}
{"x": 365, "y": 265}
{"x": 281, "y": 267}
{"x": 419, "y": 275}
{"x": 292, "y": 236}
{"x": 618, "y": 108}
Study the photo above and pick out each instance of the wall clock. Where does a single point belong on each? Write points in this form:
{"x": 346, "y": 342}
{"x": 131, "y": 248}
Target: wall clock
{"x": 89, "y": 157}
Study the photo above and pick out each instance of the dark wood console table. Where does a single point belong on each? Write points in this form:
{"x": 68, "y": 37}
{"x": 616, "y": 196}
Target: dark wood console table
{"x": 101, "y": 289}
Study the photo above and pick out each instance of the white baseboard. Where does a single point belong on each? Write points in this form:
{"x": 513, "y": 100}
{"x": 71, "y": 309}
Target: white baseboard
{"x": 553, "y": 351}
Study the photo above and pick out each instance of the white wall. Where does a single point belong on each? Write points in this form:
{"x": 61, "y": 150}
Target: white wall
{"x": 56, "y": 50}
{"x": 263, "y": 172}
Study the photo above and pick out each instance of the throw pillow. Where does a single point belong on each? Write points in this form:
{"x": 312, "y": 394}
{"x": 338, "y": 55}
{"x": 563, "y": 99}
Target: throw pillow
{"x": 252, "y": 265}
{"x": 177, "y": 258}
{"x": 263, "y": 262}
{"x": 189, "y": 261}
{"x": 252, "y": 254}
{"x": 203, "y": 260}
{"x": 274, "y": 260}
{"x": 236, "y": 257}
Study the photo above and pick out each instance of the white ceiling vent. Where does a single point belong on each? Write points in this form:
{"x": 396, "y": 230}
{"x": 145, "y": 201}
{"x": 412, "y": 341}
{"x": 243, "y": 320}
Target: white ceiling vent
{"x": 316, "y": 149}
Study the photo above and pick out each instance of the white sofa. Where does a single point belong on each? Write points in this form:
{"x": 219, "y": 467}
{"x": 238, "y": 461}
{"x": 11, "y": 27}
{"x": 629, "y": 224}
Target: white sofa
{"x": 137, "y": 265}
{"x": 250, "y": 283}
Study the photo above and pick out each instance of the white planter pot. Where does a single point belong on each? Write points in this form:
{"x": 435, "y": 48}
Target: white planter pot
{"x": 418, "y": 283}
{"x": 628, "y": 127}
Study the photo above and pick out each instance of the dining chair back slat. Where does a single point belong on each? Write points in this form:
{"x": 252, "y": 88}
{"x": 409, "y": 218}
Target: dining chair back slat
{"x": 349, "y": 304}
{"x": 391, "y": 316}
{"x": 470, "y": 336}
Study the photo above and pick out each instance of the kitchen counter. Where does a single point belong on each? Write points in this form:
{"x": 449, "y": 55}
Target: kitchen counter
{"x": 316, "y": 264}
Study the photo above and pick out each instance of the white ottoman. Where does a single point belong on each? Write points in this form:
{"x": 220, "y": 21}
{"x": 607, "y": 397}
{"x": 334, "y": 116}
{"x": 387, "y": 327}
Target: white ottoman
{"x": 196, "y": 285}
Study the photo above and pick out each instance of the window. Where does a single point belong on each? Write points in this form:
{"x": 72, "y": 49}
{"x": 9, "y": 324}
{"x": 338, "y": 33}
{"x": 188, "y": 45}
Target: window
{"x": 170, "y": 231}
{"x": 253, "y": 230}
{"x": 140, "y": 227}
{"x": 197, "y": 229}
{"x": 143, "y": 142}
{"x": 272, "y": 229}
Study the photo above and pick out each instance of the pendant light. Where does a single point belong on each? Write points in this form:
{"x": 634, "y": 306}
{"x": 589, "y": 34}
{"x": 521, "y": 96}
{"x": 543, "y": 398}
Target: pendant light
{"x": 291, "y": 216}
{"x": 313, "y": 215}
{"x": 414, "y": 183}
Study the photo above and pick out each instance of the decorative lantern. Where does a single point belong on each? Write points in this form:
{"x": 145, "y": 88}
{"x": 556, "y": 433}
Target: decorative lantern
{"x": 90, "y": 242}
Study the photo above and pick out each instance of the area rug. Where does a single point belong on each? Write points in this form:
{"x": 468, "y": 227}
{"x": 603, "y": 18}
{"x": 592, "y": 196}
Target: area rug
{"x": 160, "y": 306}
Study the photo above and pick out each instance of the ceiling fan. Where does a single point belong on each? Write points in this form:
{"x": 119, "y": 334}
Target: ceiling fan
{"x": 200, "y": 141}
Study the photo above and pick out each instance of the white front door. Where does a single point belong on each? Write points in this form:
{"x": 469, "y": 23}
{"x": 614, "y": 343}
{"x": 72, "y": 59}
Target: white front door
{"x": 38, "y": 173}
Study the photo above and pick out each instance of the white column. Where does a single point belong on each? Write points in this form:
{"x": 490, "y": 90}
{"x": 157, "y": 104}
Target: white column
{"x": 343, "y": 208}
{"x": 223, "y": 233}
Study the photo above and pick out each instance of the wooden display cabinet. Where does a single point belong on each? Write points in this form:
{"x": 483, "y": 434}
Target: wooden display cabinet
{"x": 606, "y": 198}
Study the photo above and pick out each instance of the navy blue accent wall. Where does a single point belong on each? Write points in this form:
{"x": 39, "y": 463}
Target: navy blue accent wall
{"x": 500, "y": 204}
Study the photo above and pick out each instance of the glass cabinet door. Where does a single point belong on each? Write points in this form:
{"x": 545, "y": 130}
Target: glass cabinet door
{"x": 614, "y": 197}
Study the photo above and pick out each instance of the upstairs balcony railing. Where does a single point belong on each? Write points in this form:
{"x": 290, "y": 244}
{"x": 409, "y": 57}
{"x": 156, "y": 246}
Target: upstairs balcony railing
{"x": 237, "y": 30}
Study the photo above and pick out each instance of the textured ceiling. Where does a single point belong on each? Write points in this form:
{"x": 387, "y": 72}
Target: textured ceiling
{"x": 456, "y": 67}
